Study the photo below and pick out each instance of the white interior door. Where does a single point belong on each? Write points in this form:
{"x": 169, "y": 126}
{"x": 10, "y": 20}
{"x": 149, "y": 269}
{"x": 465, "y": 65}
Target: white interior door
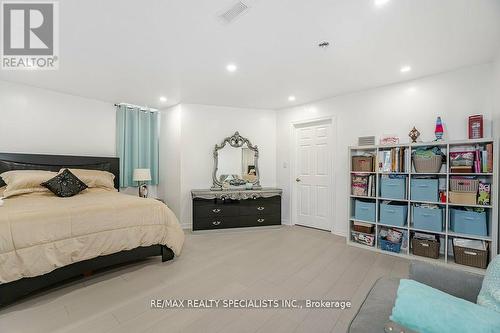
{"x": 313, "y": 169}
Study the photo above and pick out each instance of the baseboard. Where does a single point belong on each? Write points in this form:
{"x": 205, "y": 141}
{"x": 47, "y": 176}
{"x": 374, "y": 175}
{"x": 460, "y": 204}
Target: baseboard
{"x": 341, "y": 234}
{"x": 285, "y": 222}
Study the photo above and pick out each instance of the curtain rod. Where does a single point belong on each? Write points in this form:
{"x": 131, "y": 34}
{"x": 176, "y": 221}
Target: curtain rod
{"x": 141, "y": 108}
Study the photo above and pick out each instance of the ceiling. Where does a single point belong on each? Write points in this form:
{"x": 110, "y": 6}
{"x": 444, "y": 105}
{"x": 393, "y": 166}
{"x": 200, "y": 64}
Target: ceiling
{"x": 136, "y": 51}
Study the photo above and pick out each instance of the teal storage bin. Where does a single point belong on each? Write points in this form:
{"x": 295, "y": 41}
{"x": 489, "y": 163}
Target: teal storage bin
{"x": 395, "y": 215}
{"x": 428, "y": 219}
{"x": 425, "y": 190}
{"x": 465, "y": 222}
{"x": 393, "y": 188}
{"x": 364, "y": 210}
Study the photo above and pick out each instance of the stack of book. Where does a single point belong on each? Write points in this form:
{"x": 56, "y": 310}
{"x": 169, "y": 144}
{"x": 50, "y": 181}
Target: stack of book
{"x": 393, "y": 160}
{"x": 472, "y": 159}
{"x": 363, "y": 185}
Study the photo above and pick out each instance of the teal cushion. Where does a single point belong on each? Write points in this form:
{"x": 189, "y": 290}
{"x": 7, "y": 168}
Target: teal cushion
{"x": 428, "y": 310}
{"x": 489, "y": 296}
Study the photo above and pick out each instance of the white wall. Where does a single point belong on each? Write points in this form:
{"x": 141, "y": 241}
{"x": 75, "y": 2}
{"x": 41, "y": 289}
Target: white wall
{"x": 34, "y": 120}
{"x": 496, "y": 94}
{"x": 41, "y": 121}
{"x": 393, "y": 109}
{"x": 169, "y": 187}
{"x": 194, "y": 131}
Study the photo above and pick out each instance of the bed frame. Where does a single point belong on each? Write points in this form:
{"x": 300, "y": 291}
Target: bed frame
{"x": 13, "y": 291}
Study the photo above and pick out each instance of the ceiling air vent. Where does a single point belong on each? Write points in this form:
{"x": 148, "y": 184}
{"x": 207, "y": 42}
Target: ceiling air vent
{"x": 234, "y": 12}
{"x": 366, "y": 141}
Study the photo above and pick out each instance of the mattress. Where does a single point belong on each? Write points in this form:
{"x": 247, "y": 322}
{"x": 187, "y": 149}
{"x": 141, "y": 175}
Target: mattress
{"x": 40, "y": 232}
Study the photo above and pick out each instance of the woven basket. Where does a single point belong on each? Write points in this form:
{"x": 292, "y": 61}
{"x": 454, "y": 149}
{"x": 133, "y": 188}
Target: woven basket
{"x": 425, "y": 248}
{"x": 464, "y": 185}
{"x": 428, "y": 165}
{"x": 470, "y": 257}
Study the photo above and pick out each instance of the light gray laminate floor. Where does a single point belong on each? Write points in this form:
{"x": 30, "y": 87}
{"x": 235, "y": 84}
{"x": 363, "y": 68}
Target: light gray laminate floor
{"x": 284, "y": 263}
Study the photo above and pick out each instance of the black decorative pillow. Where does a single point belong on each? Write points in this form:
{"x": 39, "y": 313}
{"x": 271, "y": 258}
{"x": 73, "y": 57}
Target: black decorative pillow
{"x": 65, "y": 184}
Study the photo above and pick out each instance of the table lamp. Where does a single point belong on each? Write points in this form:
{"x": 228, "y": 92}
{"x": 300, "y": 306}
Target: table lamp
{"x": 142, "y": 176}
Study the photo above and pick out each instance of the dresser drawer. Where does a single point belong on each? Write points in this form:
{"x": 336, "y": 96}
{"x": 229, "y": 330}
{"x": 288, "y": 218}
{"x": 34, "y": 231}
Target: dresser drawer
{"x": 217, "y": 210}
{"x": 267, "y": 206}
{"x": 216, "y": 223}
{"x": 255, "y": 221}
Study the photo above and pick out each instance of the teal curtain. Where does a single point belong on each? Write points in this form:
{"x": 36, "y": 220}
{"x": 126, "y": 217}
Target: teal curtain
{"x": 137, "y": 142}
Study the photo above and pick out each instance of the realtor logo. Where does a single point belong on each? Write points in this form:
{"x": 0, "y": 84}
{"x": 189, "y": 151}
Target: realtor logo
{"x": 30, "y": 36}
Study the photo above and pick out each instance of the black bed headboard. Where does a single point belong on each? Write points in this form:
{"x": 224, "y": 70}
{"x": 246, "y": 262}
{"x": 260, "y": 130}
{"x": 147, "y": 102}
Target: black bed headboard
{"x": 14, "y": 161}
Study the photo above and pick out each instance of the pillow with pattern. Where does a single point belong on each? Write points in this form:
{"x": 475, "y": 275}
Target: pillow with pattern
{"x": 65, "y": 184}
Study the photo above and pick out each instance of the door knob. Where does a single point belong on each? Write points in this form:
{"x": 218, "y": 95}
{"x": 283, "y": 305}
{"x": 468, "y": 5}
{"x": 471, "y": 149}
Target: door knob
{"x": 297, "y": 180}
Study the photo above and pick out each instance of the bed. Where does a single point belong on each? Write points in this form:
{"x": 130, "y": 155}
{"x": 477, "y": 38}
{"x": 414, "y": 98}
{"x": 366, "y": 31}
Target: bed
{"x": 45, "y": 239}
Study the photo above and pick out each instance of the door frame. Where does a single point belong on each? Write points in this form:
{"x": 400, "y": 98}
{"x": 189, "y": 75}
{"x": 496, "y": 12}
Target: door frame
{"x": 293, "y": 161}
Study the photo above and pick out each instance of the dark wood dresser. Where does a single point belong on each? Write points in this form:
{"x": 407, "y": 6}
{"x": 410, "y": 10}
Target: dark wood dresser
{"x": 236, "y": 208}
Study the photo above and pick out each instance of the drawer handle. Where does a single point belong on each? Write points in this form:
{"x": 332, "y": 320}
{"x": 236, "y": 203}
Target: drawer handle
{"x": 427, "y": 215}
{"x": 364, "y": 208}
{"x": 424, "y": 244}
{"x": 469, "y": 218}
{"x": 260, "y": 208}
{"x": 216, "y": 210}
{"x": 470, "y": 253}
{"x": 261, "y": 220}
{"x": 423, "y": 186}
{"x": 391, "y": 211}
{"x": 392, "y": 185}
{"x": 216, "y": 222}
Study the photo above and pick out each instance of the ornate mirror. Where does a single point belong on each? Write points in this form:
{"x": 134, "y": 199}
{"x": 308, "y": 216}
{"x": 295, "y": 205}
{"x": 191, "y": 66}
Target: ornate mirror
{"x": 236, "y": 164}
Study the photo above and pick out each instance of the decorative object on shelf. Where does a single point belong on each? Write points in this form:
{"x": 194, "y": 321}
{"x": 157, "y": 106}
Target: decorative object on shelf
{"x": 249, "y": 186}
{"x": 439, "y": 131}
{"x": 389, "y": 140}
{"x": 414, "y": 134}
{"x": 476, "y": 127}
{"x": 142, "y": 176}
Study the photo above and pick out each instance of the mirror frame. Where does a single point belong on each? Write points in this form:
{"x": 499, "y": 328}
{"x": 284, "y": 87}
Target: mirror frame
{"x": 235, "y": 141}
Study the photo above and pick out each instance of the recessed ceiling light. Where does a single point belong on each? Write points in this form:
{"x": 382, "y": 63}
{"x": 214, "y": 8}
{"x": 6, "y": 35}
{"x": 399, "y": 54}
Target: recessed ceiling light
{"x": 231, "y": 68}
{"x": 405, "y": 69}
{"x": 291, "y": 98}
{"x": 163, "y": 99}
{"x": 380, "y": 3}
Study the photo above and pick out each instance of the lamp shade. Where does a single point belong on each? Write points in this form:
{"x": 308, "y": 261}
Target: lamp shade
{"x": 142, "y": 175}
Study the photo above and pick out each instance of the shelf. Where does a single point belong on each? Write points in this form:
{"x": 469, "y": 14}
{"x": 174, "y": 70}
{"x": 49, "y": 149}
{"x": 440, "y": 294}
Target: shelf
{"x": 441, "y": 258}
{"x": 356, "y": 220}
{"x": 471, "y": 174}
{"x": 363, "y": 172}
{"x": 363, "y": 246}
{"x": 427, "y": 231}
{"x": 392, "y": 173}
{"x": 454, "y": 234}
{"x": 428, "y": 174}
{"x": 428, "y": 202}
{"x": 444, "y": 174}
{"x": 392, "y": 226}
{"x": 389, "y": 199}
{"x": 362, "y": 197}
{"x": 470, "y": 206}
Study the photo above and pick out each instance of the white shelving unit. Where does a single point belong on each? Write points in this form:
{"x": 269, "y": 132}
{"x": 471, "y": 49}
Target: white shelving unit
{"x": 447, "y": 234}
